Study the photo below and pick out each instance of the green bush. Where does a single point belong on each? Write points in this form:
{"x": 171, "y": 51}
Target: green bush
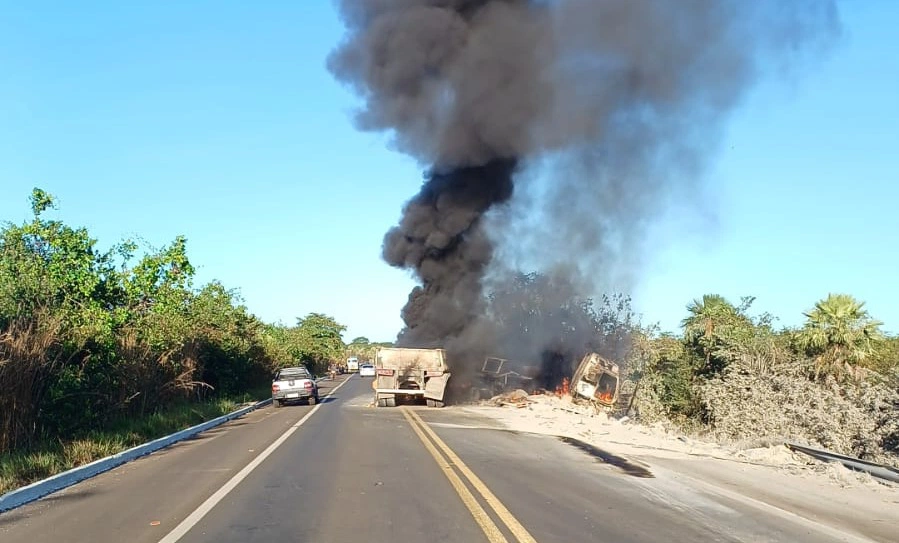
{"x": 88, "y": 338}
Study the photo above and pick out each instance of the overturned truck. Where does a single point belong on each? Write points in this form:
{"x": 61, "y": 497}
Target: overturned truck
{"x": 403, "y": 375}
{"x": 596, "y": 379}
{"x": 500, "y": 375}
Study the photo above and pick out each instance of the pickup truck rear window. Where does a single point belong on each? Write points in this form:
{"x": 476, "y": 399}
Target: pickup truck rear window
{"x": 293, "y": 375}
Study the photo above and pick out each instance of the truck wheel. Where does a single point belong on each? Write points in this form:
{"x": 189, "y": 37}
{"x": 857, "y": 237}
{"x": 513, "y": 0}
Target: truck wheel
{"x": 390, "y": 402}
{"x": 430, "y": 402}
{"x": 312, "y": 400}
{"x": 382, "y": 403}
{"x": 276, "y": 403}
{"x": 438, "y": 403}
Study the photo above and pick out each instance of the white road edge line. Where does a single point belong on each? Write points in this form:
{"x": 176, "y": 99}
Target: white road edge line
{"x": 200, "y": 512}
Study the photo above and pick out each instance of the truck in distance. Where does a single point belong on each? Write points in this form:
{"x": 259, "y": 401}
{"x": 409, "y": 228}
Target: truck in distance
{"x": 403, "y": 374}
{"x": 294, "y": 384}
{"x": 352, "y": 364}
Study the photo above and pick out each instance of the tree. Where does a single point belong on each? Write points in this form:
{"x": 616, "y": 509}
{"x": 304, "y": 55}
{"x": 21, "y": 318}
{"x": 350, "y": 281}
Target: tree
{"x": 319, "y": 340}
{"x": 666, "y": 376}
{"x": 362, "y": 348}
{"x": 714, "y": 324}
{"x": 839, "y": 333}
{"x": 886, "y": 358}
{"x": 47, "y": 264}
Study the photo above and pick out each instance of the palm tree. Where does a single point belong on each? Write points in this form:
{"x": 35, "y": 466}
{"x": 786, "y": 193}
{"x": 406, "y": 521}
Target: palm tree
{"x": 712, "y": 320}
{"x": 839, "y": 333}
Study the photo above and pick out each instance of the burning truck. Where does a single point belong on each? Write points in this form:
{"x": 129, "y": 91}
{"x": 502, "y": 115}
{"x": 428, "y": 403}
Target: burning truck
{"x": 597, "y": 380}
{"x": 499, "y": 375}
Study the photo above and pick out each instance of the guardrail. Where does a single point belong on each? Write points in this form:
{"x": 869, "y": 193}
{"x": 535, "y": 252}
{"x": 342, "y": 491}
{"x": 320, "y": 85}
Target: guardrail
{"x": 877, "y": 470}
{"x": 39, "y": 489}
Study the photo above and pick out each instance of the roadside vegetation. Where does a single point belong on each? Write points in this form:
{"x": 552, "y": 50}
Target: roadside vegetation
{"x": 20, "y": 467}
{"x": 365, "y": 349}
{"x": 833, "y": 382}
{"x": 102, "y": 350}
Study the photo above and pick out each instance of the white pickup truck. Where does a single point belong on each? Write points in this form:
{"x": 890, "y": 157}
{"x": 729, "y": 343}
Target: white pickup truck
{"x": 294, "y": 384}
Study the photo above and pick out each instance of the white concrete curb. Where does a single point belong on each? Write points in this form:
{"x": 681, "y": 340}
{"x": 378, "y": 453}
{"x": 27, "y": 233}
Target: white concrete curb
{"x": 39, "y": 489}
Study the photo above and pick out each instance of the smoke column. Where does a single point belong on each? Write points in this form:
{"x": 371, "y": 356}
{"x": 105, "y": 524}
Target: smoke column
{"x": 616, "y": 103}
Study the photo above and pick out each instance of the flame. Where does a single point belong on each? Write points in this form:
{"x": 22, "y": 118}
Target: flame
{"x": 606, "y": 397}
{"x": 564, "y": 389}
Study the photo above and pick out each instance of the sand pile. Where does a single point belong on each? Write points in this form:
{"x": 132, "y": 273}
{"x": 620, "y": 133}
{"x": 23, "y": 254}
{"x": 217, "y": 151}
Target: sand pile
{"x": 552, "y": 415}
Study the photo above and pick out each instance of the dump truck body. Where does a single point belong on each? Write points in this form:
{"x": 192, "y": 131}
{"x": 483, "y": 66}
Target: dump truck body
{"x": 408, "y": 374}
{"x": 596, "y": 379}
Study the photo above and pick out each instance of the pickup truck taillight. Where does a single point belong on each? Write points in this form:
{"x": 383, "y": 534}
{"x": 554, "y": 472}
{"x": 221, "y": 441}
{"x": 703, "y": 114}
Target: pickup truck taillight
{"x": 307, "y": 384}
{"x": 382, "y": 371}
{"x": 275, "y": 388}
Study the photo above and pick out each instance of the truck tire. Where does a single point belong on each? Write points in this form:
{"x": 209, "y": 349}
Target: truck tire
{"x": 382, "y": 403}
{"x": 276, "y": 403}
{"x": 438, "y": 403}
{"x": 430, "y": 402}
{"x": 390, "y": 402}
{"x": 312, "y": 400}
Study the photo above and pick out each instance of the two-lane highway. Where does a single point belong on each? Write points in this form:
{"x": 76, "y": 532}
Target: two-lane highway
{"x": 345, "y": 471}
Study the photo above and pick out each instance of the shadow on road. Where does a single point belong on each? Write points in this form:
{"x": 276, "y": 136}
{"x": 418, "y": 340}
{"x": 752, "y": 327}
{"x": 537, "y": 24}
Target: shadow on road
{"x": 64, "y": 495}
{"x": 619, "y": 462}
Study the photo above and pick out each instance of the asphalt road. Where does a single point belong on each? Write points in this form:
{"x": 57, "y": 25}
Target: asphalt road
{"x": 344, "y": 471}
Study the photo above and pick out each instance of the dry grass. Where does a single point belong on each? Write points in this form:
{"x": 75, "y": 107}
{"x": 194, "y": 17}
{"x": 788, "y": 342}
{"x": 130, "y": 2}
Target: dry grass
{"x": 30, "y": 351}
{"x": 149, "y": 379}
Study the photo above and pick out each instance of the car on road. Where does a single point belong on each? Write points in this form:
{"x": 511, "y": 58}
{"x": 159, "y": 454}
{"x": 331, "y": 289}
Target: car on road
{"x": 294, "y": 384}
{"x": 367, "y": 370}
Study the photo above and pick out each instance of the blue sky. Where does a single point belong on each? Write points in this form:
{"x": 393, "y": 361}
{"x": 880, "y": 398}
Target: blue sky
{"x": 218, "y": 120}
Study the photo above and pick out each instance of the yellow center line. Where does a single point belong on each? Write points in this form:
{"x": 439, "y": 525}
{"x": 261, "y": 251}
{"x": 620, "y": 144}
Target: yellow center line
{"x": 508, "y": 519}
{"x": 480, "y": 516}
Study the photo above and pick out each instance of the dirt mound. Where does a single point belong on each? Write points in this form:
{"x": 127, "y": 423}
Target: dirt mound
{"x": 517, "y": 398}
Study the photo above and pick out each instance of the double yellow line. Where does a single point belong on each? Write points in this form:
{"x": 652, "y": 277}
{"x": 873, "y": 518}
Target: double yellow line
{"x": 450, "y": 460}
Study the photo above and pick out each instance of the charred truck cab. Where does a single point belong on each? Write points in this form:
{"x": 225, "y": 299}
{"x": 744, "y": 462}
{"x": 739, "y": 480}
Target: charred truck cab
{"x": 596, "y": 379}
{"x": 499, "y": 375}
{"x": 410, "y": 374}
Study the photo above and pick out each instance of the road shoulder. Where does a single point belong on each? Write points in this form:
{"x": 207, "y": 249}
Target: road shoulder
{"x": 142, "y": 500}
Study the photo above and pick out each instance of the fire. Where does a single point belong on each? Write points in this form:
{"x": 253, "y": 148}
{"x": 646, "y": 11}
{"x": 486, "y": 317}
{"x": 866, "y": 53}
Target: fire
{"x": 605, "y": 397}
{"x": 564, "y": 389}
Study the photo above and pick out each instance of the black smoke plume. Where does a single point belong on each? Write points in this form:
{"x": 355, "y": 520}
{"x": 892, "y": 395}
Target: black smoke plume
{"x": 616, "y": 104}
